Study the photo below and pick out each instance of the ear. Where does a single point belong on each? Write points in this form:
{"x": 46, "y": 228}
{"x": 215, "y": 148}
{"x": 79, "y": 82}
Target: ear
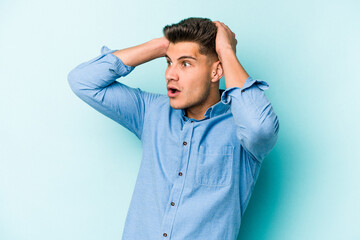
{"x": 217, "y": 71}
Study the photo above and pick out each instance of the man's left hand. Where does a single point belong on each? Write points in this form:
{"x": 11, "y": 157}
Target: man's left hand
{"x": 225, "y": 38}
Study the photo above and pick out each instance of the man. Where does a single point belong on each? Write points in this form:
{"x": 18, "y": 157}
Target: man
{"x": 202, "y": 146}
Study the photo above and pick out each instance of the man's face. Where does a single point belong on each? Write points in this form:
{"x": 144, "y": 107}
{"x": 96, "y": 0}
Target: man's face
{"x": 189, "y": 72}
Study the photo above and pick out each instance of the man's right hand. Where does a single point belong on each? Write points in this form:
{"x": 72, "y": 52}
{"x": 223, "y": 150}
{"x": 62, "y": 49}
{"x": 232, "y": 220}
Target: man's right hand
{"x": 164, "y": 42}
{"x": 134, "y": 56}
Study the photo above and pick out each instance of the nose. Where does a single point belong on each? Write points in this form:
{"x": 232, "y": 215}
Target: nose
{"x": 171, "y": 74}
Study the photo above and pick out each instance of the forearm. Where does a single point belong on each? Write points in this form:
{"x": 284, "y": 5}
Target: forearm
{"x": 235, "y": 75}
{"x": 94, "y": 82}
{"x": 253, "y": 114}
{"x": 136, "y": 55}
{"x": 97, "y": 73}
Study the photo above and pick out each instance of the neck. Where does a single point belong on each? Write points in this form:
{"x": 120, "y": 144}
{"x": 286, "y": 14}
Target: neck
{"x": 197, "y": 112}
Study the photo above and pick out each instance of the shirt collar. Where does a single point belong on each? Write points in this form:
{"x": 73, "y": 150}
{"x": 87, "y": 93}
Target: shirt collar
{"x": 213, "y": 111}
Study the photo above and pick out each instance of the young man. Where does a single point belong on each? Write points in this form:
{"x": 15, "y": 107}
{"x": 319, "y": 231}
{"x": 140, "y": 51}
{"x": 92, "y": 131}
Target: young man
{"x": 202, "y": 146}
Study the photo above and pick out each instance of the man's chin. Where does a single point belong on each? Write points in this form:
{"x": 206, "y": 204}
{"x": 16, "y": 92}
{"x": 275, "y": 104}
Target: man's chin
{"x": 176, "y": 106}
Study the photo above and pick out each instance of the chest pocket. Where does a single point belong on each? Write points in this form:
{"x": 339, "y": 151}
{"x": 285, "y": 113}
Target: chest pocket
{"x": 214, "y": 165}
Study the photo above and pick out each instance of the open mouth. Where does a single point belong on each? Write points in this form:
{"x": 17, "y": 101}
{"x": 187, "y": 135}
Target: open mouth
{"x": 172, "y": 92}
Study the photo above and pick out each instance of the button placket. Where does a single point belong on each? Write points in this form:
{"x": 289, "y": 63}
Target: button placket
{"x": 175, "y": 196}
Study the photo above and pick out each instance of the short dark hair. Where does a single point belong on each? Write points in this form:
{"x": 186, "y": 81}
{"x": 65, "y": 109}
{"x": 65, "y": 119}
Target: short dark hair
{"x": 194, "y": 29}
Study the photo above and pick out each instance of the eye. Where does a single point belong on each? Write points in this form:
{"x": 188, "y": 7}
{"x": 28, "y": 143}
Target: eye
{"x": 186, "y": 63}
{"x": 168, "y": 63}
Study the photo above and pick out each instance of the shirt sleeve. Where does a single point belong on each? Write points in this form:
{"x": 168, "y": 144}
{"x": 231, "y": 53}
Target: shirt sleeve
{"x": 257, "y": 123}
{"x": 95, "y": 83}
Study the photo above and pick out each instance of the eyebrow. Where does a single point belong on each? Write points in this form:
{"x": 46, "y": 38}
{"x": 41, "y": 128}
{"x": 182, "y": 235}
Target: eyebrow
{"x": 182, "y": 57}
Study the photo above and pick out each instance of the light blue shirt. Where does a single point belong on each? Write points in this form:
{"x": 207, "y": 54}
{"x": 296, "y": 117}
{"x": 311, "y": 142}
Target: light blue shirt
{"x": 196, "y": 176}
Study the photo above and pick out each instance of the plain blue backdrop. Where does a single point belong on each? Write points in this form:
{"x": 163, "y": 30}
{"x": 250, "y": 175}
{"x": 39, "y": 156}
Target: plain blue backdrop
{"x": 68, "y": 172}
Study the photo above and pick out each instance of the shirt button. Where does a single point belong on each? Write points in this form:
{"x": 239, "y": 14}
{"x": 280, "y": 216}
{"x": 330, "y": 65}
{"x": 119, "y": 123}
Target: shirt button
{"x": 164, "y": 234}
{"x": 192, "y": 121}
{"x": 243, "y": 90}
{"x": 172, "y": 203}
{"x": 184, "y": 143}
{"x": 180, "y": 173}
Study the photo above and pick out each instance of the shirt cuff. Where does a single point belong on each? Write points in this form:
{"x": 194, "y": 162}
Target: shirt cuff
{"x": 119, "y": 67}
{"x": 250, "y": 82}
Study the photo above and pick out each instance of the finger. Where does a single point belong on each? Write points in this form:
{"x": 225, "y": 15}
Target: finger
{"x": 216, "y": 23}
{"x": 219, "y": 23}
{"x": 224, "y": 25}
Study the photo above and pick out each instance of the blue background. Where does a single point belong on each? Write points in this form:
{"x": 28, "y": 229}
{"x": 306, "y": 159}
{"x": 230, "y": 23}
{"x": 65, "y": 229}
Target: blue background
{"x": 68, "y": 172}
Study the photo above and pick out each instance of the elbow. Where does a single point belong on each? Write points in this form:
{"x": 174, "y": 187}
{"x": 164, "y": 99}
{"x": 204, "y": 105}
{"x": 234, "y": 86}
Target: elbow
{"x": 262, "y": 129}
{"x": 260, "y": 135}
{"x": 72, "y": 79}
{"x": 76, "y": 83}
{"x": 267, "y": 131}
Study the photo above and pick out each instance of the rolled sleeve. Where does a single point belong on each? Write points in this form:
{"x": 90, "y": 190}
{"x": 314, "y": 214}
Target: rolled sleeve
{"x": 119, "y": 67}
{"x": 98, "y": 72}
{"x": 94, "y": 82}
{"x": 226, "y": 95}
